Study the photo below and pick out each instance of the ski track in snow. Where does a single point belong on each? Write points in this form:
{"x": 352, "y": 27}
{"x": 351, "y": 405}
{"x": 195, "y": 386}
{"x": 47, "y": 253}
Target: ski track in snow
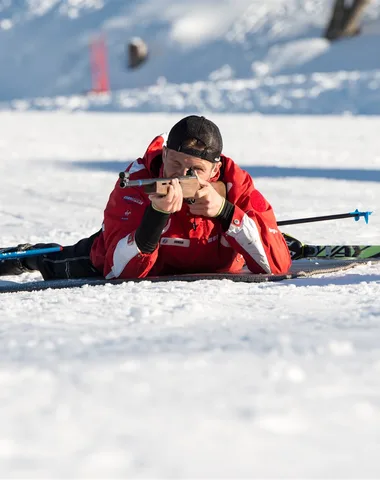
{"x": 211, "y": 379}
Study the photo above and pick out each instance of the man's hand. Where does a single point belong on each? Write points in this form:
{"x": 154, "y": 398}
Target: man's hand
{"x": 172, "y": 201}
{"x": 208, "y": 202}
{"x": 220, "y": 187}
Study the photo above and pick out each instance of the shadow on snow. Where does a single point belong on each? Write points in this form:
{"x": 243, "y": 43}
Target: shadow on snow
{"x": 255, "y": 171}
{"x": 330, "y": 173}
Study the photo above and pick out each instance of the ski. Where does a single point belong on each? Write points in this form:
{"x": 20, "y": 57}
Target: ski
{"x": 300, "y": 250}
{"x": 300, "y": 269}
{"x": 339, "y": 251}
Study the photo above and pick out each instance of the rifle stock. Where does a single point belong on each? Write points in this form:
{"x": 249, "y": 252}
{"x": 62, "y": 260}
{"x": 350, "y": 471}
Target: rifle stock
{"x": 189, "y": 184}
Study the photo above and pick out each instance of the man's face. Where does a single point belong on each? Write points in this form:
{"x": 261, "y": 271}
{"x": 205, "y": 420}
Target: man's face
{"x": 176, "y": 164}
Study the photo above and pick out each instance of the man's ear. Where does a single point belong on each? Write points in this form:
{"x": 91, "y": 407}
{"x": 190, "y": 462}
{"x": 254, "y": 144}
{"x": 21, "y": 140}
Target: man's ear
{"x": 164, "y": 152}
{"x": 215, "y": 169}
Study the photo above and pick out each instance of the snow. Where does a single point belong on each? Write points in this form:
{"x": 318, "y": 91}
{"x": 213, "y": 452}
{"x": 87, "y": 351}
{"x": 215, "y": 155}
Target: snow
{"x": 204, "y": 55}
{"x": 211, "y": 379}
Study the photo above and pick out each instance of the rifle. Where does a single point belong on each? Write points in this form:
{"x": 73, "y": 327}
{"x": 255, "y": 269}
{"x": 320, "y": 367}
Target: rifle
{"x": 189, "y": 184}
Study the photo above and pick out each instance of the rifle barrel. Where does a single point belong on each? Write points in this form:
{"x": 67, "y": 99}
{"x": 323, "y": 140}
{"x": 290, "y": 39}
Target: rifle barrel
{"x": 139, "y": 183}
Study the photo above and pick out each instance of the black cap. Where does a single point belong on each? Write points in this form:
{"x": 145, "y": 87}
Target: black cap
{"x": 201, "y": 129}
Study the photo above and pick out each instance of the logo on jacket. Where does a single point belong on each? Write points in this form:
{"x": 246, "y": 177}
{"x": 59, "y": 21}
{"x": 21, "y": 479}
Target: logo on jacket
{"x": 126, "y": 215}
{"x": 133, "y": 199}
{"x": 175, "y": 242}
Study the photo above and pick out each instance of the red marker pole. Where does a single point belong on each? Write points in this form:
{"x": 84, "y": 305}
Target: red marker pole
{"x": 99, "y": 65}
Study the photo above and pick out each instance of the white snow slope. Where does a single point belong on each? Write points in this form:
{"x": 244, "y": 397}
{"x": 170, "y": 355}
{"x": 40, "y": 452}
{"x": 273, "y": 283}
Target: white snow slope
{"x": 205, "y": 55}
{"x": 210, "y": 379}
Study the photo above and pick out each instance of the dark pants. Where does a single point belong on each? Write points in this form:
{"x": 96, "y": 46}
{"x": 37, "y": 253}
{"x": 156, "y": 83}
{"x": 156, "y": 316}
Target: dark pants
{"x": 72, "y": 262}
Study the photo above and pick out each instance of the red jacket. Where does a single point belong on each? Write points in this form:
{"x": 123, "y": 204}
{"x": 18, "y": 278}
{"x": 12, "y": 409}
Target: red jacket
{"x": 189, "y": 244}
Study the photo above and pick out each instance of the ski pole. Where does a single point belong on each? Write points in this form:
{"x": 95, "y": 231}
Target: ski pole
{"x": 356, "y": 215}
{"x": 29, "y": 253}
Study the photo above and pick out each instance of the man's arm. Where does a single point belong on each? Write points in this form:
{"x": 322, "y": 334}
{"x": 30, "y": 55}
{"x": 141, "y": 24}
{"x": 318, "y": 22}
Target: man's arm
{"x": 120, "y": 251}
{"x": 247, "y": 219}
{"x": 248, "y": 222}
{"x": 251, "y": 229}
{"x": 156, "y": 216}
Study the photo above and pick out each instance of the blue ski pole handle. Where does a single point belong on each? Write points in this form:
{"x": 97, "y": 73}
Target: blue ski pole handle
{"x": 356, "y": 214}
{"x": 29, "y": 253}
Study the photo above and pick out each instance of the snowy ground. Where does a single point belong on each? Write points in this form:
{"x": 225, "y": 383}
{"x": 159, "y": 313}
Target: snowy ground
{"x": 207, "y": 379}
